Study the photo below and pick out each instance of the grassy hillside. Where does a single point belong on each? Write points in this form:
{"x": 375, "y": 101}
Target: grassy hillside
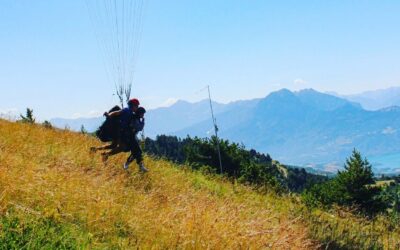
{"x": 54, "y": 193}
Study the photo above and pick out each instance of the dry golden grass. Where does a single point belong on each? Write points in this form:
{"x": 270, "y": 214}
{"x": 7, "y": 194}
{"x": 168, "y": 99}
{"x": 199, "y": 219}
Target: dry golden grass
{"x": 50, "y": 173}
{"x": 343, "y": 229}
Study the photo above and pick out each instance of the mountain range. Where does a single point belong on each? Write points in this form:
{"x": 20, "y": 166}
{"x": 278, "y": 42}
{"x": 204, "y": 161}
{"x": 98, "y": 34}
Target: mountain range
{"x": 305, "y": 128}
{"x": 376, "y": 99}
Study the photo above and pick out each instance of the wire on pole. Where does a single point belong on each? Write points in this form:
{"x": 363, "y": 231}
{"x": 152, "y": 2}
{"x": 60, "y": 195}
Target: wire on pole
{"x": 215, "y": 130}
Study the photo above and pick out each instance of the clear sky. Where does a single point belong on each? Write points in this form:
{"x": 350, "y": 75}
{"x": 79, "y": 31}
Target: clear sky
{"x": 50, "y": 60}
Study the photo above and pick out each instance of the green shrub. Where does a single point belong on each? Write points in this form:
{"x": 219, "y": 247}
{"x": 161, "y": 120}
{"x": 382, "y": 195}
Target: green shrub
{"x": 42, "y": 233}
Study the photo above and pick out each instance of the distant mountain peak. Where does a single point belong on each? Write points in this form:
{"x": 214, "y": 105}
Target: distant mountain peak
{"x": 314, "y": 92}
{"x": 306, "y": 98}
{"x": 310, "y": 90}
{"x": 283, "y": 93}
{"x": 180, "y": 103}
{"x": 283, "y": 99}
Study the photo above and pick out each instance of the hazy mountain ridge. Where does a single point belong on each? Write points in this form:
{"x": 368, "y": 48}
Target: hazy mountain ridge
{"x": 295, "y": 129}
{"x": 377, "y": 99}
{"x": 305, "y": 127}
{"x": 185, "y": 114}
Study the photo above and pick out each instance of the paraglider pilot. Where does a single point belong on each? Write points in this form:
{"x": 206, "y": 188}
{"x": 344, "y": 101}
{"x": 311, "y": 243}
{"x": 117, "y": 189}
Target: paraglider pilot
{"x": 131, "y": 123}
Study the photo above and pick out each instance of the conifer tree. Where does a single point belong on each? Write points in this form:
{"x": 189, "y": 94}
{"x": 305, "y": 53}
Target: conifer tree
{"x": 83, "y": 130}
{"x": 353, "y": 187}
{"x": 28, "y": 118}
{"x": 47, "y": 124}
{"x": 355, "y": 183}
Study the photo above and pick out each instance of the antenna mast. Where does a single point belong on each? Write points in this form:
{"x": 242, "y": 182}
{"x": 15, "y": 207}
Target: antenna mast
{"x": 215, "y": 129}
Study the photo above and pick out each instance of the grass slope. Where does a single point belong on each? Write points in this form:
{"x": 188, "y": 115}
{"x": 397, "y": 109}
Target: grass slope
{"x": 51, "y": 185}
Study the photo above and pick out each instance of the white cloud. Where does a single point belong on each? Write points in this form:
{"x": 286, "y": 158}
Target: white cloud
{"x": 389, "y": 131}
{"x": 299, "y": 81}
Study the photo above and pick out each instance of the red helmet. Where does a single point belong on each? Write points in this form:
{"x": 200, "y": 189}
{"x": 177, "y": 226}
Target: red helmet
{"x": 134, "y": 102}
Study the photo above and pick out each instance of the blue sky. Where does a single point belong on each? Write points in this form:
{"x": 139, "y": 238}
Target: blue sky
{"x": 50, "y": 60}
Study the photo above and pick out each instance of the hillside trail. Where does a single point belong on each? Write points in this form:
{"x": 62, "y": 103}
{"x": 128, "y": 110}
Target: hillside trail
{"x": 50, "y": 173}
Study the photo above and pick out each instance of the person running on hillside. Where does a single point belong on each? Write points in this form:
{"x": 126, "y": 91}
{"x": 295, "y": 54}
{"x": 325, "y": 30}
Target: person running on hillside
{"x": 117, "y": 120}
{"x": 129, "y": 140}
{"x": 126, "y": 113}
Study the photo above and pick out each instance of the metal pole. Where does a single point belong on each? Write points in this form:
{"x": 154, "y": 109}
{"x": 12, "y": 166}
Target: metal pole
{"x": 215, "y": 129}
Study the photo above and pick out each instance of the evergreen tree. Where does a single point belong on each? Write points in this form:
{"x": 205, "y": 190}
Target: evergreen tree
{"x": 28, "y": 118}
{"x": 355, "y": 183}
{"x": 354, "y": 186}
{"x": 83, "y": 130}
{"x": 47, "y": 124}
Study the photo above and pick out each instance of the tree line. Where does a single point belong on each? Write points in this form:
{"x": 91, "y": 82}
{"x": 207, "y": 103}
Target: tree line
{"x": 246, "y": 166}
